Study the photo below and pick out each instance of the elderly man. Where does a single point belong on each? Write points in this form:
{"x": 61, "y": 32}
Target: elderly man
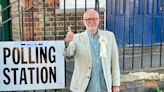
{"x": 96, "y": 57}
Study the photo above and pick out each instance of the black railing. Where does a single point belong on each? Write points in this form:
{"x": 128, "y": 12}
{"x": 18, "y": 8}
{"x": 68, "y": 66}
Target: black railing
{"x": 134, "y": 23}
{"x": 132, "y": 57}
{"x": 30, "y": 9}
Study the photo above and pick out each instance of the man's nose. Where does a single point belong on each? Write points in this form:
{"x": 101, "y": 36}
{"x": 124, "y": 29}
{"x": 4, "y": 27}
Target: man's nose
{"x": 92, "y": 22}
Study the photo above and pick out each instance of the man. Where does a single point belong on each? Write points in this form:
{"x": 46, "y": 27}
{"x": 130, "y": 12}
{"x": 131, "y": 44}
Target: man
{"x": 96, "y": 57}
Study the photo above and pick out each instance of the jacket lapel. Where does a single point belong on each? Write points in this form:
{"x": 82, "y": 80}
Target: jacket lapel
{"x": 86, "y": 43}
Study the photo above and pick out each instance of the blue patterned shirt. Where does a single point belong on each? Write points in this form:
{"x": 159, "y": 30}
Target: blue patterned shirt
{"x": 97, "y": 81}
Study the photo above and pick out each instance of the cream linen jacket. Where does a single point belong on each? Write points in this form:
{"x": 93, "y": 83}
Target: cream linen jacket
{"x": 81, "y": 50}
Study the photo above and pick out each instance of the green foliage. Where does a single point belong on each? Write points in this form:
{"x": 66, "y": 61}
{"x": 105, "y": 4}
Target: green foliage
{"x": 160, "y": 90}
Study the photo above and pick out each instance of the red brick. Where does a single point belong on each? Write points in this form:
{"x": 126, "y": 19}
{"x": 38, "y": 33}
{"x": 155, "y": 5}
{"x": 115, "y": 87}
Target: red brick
{"x": 52, "y": 1}
{"x": 31, "y": 19}
{"x": 50, "y": 9}
{"x": 123, "y": 87}
{"x": 151, "y": 84}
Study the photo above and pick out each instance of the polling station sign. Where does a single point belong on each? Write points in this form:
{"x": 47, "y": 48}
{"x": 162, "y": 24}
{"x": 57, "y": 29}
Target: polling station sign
{"x": 31, "y": 65}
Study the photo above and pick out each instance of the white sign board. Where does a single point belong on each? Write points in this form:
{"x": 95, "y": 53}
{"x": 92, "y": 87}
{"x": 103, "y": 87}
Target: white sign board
{"x": 29, "y": 65}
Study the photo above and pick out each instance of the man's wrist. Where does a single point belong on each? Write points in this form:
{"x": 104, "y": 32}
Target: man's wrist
{"x": 66, "y": 45}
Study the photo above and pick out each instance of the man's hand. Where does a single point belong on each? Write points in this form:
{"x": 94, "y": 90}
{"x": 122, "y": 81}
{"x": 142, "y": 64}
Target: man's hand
{"x": 69, "y": 35}
{"x": 115, "y": 89}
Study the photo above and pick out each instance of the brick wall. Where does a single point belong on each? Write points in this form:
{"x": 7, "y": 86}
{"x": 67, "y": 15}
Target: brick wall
{"x": 142, "y": 86}
{"x": 38, "y": 21}
{"x": 15, "y": 20}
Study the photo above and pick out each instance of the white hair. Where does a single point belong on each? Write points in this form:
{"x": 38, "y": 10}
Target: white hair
{"x": 90, "y": 10}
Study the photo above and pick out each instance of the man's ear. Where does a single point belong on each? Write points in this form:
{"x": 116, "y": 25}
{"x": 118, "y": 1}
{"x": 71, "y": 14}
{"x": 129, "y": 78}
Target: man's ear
{"x": 99, "y": 22}
{"x": 84, "y": 23}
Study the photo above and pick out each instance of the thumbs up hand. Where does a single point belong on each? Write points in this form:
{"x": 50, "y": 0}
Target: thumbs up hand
{"x": 69, "y": 35}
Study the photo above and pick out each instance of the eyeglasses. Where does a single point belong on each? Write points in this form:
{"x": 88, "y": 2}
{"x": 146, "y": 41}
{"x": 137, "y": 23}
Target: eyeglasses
{"x": 91, "y": 19}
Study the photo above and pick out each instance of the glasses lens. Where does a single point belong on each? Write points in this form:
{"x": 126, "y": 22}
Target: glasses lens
{"x": 91, "y": 19}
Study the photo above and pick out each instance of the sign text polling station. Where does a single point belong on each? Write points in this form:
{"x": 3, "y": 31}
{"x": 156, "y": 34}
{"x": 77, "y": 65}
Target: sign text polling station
{"x": 30, "y": 65}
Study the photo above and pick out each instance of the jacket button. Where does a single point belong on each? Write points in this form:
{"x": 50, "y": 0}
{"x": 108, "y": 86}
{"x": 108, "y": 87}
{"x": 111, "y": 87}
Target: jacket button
{"x": 90, "y": 67}
{"x": 88, "y": 77}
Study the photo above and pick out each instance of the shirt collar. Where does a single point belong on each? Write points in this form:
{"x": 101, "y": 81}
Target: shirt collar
{"x": 91, "y": 36}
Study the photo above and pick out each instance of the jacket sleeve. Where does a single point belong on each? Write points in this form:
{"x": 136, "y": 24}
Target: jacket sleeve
{"x": 70, "y": 50}
{"x": 115, "y": 63}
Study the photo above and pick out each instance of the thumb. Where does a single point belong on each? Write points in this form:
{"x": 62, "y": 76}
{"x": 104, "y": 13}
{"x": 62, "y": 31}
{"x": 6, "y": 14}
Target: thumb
{"x": 69, "y": 29}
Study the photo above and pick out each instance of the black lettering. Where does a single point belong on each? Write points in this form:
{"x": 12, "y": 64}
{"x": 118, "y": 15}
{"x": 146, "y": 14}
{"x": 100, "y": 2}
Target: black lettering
{"x": 5, "y": 71}
{"x": 15, "y": 53}
{"x": 37, "y": 75}
{"x": 44, "y": 75}
{"x": 23, "y": 62}
{"x": 29, "y": 56}
{"x": 52, "y": 73}
{"x": 23, "y": 76}
{"x": 5, "y": 50}
{"x": 43, "y": 54}
{"x": 14, "y": 72}
{"x": 31, "y": 74}
{"x": 37, "y": 55}
{"x": 22, "y": 54}
{"x": 52, "y": 50}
